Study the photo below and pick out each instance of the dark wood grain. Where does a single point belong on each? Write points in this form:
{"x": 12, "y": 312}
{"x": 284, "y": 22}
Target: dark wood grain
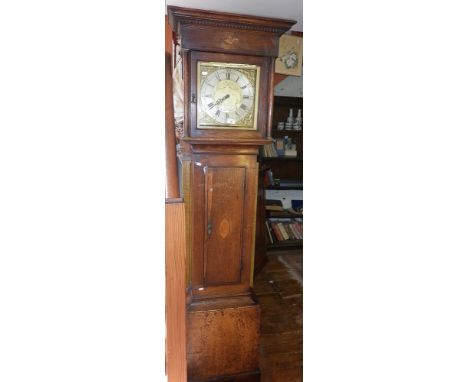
{"x": 224, "y": 221}
{"x": 260, "y": 233}
{"x": 243, "y": 377}
{"x": 197, "y": 219}
{"x": 218, "y": 262}
{"x": 226, "y": 32}
{"x": 222, "y": 342}
{"x": 279, "y": 292}
{"x": 228, "y": 40}
{"x": 175, "y": 292}
{"x": 179, "y": 15}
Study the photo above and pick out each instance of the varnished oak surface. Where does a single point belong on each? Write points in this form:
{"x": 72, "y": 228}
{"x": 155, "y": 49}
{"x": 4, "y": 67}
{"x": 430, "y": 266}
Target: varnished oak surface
{"x": 220, "y": 191}
{"x": 222, "y": 342}
{"x": 176, "y": 362}
{"x": 260, "y": 258}
{"x": 222, "y": 303}
{"x": 222, "y": 197}
{"x": 179, "y": 16}
{"x": 279, "y": 292}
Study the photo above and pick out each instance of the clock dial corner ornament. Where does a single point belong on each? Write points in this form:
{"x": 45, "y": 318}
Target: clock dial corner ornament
{"x": 227, "y": 95}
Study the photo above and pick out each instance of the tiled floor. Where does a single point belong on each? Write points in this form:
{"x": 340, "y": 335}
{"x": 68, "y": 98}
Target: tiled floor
{"x": 279, "y": 291}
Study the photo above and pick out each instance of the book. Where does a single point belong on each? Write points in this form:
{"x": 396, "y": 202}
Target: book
{"x": 283, "y": 231}
{"x": 274, "y": 208}
{"x": 287, "y": 227}
{"x": 299, "y": 228}
{"x": 277, "y": 231}
{"x": 280, "y": 146}
{"x": 273, "y": 205}
{"x": 297, "y": 234}
{"x": 269, "y": 151}
{"x": 269, "y": 233}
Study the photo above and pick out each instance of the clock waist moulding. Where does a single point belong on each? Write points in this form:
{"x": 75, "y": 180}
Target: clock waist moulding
{"x": 222, "y": 136}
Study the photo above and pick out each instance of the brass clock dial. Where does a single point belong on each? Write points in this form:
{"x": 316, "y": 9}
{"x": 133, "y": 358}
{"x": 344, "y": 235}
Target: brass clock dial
{"x": 227, "y": 95}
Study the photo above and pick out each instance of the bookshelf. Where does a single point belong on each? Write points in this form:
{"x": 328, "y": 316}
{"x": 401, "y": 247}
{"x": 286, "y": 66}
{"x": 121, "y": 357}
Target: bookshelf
{"x": 284, "y": 232}
{"x": 279, "y": 173}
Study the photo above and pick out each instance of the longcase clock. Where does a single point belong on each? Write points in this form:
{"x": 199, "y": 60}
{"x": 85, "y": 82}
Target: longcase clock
{"x": 228, "y": 69}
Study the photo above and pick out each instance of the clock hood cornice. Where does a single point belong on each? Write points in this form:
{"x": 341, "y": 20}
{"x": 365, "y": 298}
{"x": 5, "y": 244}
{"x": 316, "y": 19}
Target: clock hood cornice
{"x": 180, "y": 15}
{"x": 209, "y": 31}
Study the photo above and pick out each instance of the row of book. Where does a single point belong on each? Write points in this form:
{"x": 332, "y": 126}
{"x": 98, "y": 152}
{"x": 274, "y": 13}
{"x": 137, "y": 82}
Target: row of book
{"x": 281, "y": 147}
{"x": 284, "y": 229}
{"x": 269, "y": 151}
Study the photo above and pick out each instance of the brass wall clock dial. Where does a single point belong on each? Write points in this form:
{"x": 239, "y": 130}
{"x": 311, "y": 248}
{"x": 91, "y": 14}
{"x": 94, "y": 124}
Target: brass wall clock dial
{"x": 227, "y": 95}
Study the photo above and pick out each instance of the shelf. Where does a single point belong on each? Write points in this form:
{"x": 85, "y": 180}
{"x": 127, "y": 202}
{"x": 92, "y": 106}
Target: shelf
{"x": 283, "y": 188}
{"x": 287, "y": 185}
{"x": 286, "y": 132}
{"x": 287, "y": 171}
{"x": 288, "y": 101}
{"x": 285, "y": 244}
{"x": 282, "y": 215}
{"x": 295, "y": 159}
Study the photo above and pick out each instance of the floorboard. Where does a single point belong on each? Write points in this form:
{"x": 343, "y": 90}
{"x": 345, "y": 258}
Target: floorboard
{"x": 278, "y": 288}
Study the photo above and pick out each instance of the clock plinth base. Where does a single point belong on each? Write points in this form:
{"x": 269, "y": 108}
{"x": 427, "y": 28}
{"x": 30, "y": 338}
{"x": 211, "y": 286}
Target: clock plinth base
{"x": 223, "y": 340}
{"x": 246, "y": 377}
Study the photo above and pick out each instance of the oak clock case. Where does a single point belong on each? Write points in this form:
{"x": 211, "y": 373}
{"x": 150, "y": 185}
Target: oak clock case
{"x": 228, "y": 69}
{"x": 228, "y": 95}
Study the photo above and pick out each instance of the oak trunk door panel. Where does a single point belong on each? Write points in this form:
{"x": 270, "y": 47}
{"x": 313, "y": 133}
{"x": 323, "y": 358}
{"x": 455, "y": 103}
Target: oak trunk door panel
{"x": 198, "y": 227}
{"x": 225, "y": 193}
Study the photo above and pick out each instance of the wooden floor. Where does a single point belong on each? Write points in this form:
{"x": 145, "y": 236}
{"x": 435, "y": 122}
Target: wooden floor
{"x": 279, "y": 291}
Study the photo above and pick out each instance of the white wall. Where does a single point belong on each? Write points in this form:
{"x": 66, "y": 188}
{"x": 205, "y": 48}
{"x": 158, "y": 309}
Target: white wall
{"x": 291, "y": 86}
{"x": 284, "y": 195}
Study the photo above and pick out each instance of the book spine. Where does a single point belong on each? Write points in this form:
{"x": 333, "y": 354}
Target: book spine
{"x": 283, "y": 231}
{"x": 270, "y": 236}
{"x": 299, "y": 227}
{"x": 295, "y": 227}
{"x": 289, "y": 230}
{"x": 273, "y": 148}
{"x": 277, "y": 231}
{"x": 295, "y": 231}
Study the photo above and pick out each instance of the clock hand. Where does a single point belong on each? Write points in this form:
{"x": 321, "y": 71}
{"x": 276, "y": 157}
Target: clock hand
{"x": 219, "y": 101}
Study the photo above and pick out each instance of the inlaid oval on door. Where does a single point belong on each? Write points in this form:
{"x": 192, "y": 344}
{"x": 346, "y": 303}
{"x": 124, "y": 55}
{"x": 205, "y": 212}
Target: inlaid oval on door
{"x": 224, "y": 228}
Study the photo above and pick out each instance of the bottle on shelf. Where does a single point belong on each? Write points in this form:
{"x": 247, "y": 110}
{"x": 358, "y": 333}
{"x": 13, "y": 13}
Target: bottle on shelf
{"x": 290, "y": 121}
{"x": 298, "y": 120}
